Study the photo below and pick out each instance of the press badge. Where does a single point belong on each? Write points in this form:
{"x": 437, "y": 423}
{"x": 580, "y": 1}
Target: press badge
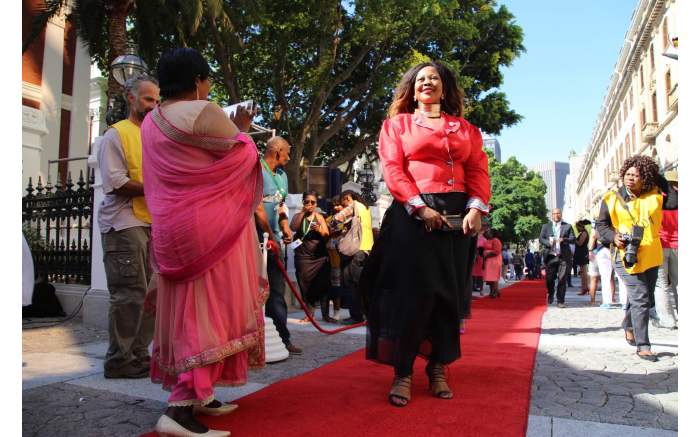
{"x": 296, "y": 243}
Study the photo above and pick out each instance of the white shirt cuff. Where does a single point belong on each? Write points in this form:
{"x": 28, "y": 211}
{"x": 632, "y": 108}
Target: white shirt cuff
{"x": 413, "y": 204}
{"x": 475, "y": 202}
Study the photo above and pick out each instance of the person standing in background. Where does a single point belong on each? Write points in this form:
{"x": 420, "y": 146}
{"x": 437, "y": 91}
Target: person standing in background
{"x": 556, "y": 238}
{"x": 125, "y": 225}
{"x": 581, "y": 256}
{"x": 666, "y": 292}
{"x": 271, "y": 217}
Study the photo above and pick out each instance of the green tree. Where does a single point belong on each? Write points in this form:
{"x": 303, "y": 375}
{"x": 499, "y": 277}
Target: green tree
{"x": 323, "y": 72}
{"x": 517, "y": 197}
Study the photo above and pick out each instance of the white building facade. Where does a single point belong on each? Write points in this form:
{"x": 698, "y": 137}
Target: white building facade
{"x": 640, "y": 109}
{"x": 492, "y": 144}
{"x": 569, "y": 208}
{"x": 55, "y": 95}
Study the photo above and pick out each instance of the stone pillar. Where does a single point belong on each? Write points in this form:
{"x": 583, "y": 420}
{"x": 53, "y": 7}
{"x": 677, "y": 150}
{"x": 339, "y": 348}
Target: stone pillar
{"x": 79, "y": 118}
{"x": 51, "y": 89}
{"x": 33, "y": 131}
{"x": 96, "y": 305}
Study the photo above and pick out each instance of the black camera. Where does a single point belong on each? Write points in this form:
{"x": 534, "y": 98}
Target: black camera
{"x": 632, "y": 241}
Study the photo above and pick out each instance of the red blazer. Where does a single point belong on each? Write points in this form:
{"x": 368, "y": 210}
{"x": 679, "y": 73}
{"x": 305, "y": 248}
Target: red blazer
{"x": 417, "y": 159}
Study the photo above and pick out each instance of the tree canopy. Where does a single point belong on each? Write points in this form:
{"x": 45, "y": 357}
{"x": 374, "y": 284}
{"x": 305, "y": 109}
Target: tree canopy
{"x": 517, "y": 197}
{"x": 323, "y": 72}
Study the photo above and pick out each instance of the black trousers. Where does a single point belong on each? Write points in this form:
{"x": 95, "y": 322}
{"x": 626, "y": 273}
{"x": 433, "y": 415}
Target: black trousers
{"x": 276, "y": 306}
{"x": 557, "y": 269}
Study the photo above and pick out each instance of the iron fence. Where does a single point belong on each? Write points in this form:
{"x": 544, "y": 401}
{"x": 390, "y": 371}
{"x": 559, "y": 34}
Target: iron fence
{"x": 57, "y": 221}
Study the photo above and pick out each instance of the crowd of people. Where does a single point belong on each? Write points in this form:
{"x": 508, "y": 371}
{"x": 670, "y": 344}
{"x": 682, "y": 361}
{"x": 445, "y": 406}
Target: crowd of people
{"x": 188, "y": 201}
{"x": 632, "y": 246}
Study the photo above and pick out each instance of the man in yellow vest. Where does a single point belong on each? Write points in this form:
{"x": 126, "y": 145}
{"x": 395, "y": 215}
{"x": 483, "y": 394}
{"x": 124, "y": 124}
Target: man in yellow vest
{"x": 124, "y": 223}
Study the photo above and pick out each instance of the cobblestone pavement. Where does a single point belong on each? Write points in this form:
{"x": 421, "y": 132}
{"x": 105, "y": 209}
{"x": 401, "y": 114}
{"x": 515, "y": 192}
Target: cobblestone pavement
{"x": 68, "y": 409}
{"x": 586, "y": 371}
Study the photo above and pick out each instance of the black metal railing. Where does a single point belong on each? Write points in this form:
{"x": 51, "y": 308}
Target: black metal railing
{"x": 58, "y": 221}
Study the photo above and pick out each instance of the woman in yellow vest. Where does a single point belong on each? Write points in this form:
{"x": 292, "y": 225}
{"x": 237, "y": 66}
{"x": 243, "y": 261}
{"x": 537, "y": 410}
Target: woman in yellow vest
{"x": 629, "y": 221}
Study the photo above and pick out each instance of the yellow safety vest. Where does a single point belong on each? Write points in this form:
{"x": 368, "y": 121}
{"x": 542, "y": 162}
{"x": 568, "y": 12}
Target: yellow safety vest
{"x": 130, "y": 136}
{"x": 647, "y": 211}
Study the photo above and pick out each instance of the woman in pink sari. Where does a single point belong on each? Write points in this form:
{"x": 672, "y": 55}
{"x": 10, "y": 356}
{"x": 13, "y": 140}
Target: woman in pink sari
{"x": 198, "y": 172}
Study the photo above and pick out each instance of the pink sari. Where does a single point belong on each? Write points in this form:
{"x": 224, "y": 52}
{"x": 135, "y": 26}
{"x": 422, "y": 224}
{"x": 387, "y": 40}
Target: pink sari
{"x": 209, "y": 323}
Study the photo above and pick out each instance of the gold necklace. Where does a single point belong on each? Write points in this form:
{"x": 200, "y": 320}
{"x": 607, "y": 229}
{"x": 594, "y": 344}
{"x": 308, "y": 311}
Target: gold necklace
{"x": 430, "y": 110}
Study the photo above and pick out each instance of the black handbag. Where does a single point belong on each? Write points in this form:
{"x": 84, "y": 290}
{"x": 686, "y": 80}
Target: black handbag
{"x": 451, "y": 205}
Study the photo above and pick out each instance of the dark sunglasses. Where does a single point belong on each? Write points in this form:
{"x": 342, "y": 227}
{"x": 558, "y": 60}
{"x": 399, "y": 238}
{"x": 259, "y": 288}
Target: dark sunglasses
{"x": 312, "y": 202}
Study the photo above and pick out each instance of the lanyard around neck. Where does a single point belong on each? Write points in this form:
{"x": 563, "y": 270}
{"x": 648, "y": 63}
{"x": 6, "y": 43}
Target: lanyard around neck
{"x": 306, "y": 225}
{"x": 276, "y": 178}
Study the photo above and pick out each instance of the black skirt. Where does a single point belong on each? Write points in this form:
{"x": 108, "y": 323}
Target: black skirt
{"x": 415, "y": 288}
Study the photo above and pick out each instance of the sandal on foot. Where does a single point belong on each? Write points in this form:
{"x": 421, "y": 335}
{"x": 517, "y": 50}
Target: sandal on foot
{"x": 400, "y": 392}
{"x": 631, "y": 341}
{"x": 648, "y": 357}
{"x": 438, "y": 381}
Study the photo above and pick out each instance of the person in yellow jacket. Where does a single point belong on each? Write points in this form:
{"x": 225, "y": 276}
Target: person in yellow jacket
{"x": 352, "y": 265}
{"x": 124, "y": 223}
{"x": 629, "y": 222}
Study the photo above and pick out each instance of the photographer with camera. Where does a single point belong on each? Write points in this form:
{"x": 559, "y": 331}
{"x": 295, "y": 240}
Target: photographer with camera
{"x": 629, "y": 220}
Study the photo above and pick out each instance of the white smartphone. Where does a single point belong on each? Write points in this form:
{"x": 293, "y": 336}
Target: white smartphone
{"x": 248, "y": 105}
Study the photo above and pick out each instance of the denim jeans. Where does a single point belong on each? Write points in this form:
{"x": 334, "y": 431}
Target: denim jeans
{"x": 639, "y": 301}
{"x": 667, "y": 288}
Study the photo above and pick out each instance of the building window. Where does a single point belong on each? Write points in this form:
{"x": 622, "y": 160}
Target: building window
{"x": 628, "y": 152}
{"x": 625, "y": 109}
{"x": 664, "y": 35}
{"x": 641, "y": 77}
{"x": 643, "y": 117}
{"x": 631, "y": 98}
{"x": 654, "y": 115}
{"x": 651, "y": 56}
{"x": 668, "y": 88}
{"x": 634, "y": 138}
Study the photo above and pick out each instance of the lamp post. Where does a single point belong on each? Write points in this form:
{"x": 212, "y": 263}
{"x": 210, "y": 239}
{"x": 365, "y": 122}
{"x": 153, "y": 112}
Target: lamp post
{"x": 123, "y": 68}
{"x": 366, "y": 178}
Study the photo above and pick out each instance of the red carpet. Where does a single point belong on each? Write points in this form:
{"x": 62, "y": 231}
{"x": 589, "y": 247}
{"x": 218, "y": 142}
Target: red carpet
{"x": 348, "y": 397}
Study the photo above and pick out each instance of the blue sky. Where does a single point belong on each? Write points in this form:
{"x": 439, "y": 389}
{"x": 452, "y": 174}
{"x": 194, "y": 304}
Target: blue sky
{"x": 559, "y": 84}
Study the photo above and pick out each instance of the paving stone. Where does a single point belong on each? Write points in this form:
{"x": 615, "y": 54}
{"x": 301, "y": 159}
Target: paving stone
{"x": 582, "y": 351}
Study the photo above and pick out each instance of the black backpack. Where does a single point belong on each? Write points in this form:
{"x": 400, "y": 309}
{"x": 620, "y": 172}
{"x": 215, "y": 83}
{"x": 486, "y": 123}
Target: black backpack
{"x": 44, "y": 302}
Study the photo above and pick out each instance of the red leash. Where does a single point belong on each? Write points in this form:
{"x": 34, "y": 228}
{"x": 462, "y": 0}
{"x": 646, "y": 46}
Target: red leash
{"x": 275, "y": 251}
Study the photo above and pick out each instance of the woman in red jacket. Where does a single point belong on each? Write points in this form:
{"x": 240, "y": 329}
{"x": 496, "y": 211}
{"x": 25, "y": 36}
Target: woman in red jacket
{"x": 416, "y": 277}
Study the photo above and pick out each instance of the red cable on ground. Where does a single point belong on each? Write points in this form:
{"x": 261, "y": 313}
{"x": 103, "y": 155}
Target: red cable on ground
{"x": 275, "y": 251}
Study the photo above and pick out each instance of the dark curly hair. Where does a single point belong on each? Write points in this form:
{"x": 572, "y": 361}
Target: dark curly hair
{"x": 646, "y": 166}
{"x": 404, "y": 93}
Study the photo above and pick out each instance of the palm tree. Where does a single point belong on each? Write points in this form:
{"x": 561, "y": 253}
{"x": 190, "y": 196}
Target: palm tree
{"x": 100, "y": 23}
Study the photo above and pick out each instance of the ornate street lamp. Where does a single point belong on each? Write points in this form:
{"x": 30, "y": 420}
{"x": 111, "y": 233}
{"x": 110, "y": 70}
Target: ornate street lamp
{"x": 123, "y": 68}
{"x": 365, "y": 177}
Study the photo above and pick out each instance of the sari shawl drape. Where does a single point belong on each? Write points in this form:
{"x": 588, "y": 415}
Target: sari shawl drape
{"x": 200, "y": 199}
